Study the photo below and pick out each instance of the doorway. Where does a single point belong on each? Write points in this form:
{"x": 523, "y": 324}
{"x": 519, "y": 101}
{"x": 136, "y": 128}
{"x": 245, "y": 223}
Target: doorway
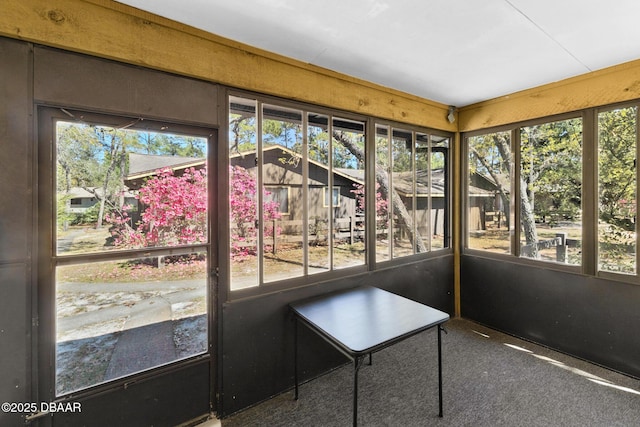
{"x": 126, "y": 282}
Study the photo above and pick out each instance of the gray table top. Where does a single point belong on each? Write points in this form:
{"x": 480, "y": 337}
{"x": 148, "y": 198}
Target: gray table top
{"x": 366, "y": 319}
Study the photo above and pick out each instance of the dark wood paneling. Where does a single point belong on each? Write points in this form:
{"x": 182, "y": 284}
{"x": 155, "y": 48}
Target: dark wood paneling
{"x": 80, "y": 81}
{"x": 258, "y": 332}
{"x": 15, "y": 340}
{"x": 166, "y": 399}
{"x": 16, "y": 207}
{"x": 16, "y": 204}
{"x": 587, "y": 317}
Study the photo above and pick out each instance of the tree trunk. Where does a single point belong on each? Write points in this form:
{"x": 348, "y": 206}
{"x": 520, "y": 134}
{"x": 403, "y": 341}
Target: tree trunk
{"x": 528, "y": 222}
{"x": 399, "y": 208}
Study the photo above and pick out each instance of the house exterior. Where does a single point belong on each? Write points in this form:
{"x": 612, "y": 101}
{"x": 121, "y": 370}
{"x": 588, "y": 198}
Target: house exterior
{"x": 283, "y": 179}
{"x": 485, "y": 203}
{"x": 81, "y": 199}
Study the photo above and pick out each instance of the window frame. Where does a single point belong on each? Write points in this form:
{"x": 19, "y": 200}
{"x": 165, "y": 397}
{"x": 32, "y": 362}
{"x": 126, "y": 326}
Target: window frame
{"x": 590, "y": 195}
{"x": 280, "y": 188}
{"x": 370, "y": 264}
{"x": 335, "y": 192}
{"x": 612, "y": 275}
{"x": 465, "y": 193}
{"x": 49, "y": 259}
{"x": 515, "y": 210}
{"x": 413, "y": 132}
{"x": 517, "y": 190}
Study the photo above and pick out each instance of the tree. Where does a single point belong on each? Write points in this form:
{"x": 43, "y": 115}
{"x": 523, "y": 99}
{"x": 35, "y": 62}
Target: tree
{"x": 242, "y": 134}
{"x": 93, "y": 158}
{"x": 550, "y": 178}
{"x": 382, "y": 207}
{"x": 77, "y": 153}
{"x": 243, "y": 209}
{"x": 114, "y": 147}
{"x": 399, "y": 209}
{"x": 616, "y": 164}
{"x": 175, "y": 211}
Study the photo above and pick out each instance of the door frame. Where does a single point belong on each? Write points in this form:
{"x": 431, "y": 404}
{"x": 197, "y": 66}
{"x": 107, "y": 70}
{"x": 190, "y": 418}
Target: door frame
{"x": 167, "y": 393}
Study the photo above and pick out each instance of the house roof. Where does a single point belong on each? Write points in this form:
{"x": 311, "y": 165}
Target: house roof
{"x": 146, "y": 164}
{"x": 142, "y": 166}
{"x": 403, "y": 183}
{"x": 89, "y": 192}
{"x": 79, "y": 192}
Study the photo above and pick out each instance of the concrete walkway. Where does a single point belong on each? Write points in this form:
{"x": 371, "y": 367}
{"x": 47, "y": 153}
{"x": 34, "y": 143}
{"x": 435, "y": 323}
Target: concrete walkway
{"x": 144, "y": 327}
{"x": 146, "y": 340}
{"x": 128, "y": 311}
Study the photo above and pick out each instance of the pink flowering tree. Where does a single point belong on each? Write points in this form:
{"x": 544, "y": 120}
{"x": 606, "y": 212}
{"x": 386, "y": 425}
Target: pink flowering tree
{"x": 382, "y": 206}
{"x": 175, "y": 211}
{"x": 243, "y": 213}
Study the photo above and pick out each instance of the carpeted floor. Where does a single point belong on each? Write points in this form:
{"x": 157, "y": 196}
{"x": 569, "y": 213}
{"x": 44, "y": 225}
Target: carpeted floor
{"x": 490, "y": 379}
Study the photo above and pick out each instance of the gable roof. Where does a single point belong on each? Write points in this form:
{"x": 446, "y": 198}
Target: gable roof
{"x": 144, "y": 164}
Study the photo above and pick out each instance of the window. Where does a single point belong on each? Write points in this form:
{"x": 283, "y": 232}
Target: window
{"x": 489, "y": 192}
{"x": 617, "y": 190}
{"x": 411, "y": 192}
{"x": 270, "y": 147}
{"x": 335, "y": 197}
{"x": 278, "y": 196}
{"x": 577, "y": 194}
{"x": 127, "y": 277}
{"x": 547, "y": 199}
{"x": 551, "y": 191}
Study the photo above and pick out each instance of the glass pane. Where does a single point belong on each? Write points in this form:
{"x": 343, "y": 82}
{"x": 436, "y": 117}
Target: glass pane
{"x": 243, "y": 192}
{"x": 318, "y": 194}
{"x": 489, "y": 191}
{"x": 106, "y": 175}
{"x": 424, "y": 180}
{"x": 117, "y": 318}
{"x": 282, "y": 167}
{"x": 617, "y": 190}
{"x": 403, "y": 241}
{"x": 383, "y": 219}
{"x": 551, "y": 191}
{"x": 348, "y": 174}
{"x": 439, "y": 191}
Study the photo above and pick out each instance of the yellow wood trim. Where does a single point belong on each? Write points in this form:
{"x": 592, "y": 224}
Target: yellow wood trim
{"x": 607, "y": 86}
{"x": 112, "y": 30}
{"x": 456, "y": 231}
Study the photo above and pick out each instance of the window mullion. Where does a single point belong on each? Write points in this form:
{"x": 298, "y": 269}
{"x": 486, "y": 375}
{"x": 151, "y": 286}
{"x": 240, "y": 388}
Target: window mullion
{"x": 330, "y": 225}
{"x": 305, "y": 193}
{"x": 414, "y": 198}
{"x": 590, "y": 212}
{"x": 430, "y": 225}
{"x": 637, "y": 203}
{"x": 260, "y": 194}
{"x": 515, "y": 193}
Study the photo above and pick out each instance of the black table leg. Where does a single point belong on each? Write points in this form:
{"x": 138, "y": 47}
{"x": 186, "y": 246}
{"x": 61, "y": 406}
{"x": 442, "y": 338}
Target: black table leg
{"x": 295, "y": 357}
{"x": 357, "y": 363}
{"x": 440, "y": 369}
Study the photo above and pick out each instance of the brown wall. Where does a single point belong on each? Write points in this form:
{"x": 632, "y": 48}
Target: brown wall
{"x": 16, "y": 218}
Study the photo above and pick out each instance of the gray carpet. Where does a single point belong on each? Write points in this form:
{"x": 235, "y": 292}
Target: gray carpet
{"x": 490, "y": 379}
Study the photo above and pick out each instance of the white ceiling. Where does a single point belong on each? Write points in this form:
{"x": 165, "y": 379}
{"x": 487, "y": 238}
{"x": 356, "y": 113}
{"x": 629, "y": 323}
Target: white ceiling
{"x": 456, "y": 52}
